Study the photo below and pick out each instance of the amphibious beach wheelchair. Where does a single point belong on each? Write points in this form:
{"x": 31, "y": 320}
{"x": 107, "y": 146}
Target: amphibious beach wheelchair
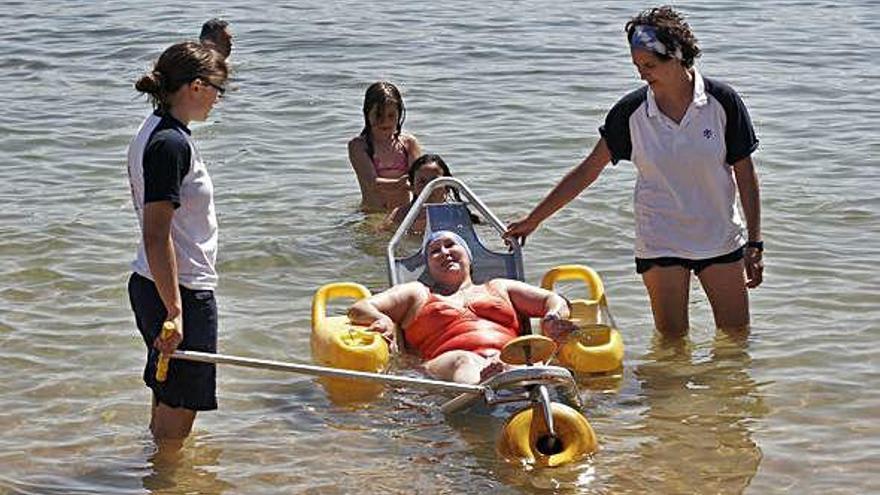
{"x": 544, "y": 431}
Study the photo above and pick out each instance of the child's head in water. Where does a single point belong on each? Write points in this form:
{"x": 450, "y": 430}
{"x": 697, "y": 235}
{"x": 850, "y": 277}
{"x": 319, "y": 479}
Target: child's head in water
{"x": 384, "y": 112}
{"x": 425, "y": 169}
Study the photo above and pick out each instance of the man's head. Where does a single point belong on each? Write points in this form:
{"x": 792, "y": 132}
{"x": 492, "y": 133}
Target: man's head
{"x": 215, "y": 33}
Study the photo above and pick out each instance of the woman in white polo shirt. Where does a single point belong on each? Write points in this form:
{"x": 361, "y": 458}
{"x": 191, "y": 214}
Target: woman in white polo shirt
{"x": 691, "y": 140}
{"x": 173, "y": 196}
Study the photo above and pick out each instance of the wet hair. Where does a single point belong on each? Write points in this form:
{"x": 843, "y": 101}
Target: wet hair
{"x": 381, "y": 95}
{"x": 178, "y": 65}
{"x": 212, "y": 27}
{"x": 426, "y": 159}
{"x": 672, "y": 31}
{"x": 213, "y": 34}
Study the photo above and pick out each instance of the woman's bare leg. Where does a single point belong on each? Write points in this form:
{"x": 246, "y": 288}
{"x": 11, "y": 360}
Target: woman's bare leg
{"x": 457, "y": 366}
{"x": 668, "y": 288}
{"x": 170, "y": 425}
{"x": 725, "y": 286}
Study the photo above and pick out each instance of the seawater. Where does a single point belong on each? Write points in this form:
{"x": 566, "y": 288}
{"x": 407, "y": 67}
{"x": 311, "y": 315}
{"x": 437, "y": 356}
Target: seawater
{"x": 511, "y": 94}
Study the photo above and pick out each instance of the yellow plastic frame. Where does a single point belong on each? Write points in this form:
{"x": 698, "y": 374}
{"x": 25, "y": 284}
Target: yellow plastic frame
{"x": 597, "y": 347}
{"x": 336, "y": 342}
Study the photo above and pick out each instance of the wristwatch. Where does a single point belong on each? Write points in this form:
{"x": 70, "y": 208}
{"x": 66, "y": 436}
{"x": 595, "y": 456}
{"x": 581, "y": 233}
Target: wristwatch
{"x": 759, "y": 245}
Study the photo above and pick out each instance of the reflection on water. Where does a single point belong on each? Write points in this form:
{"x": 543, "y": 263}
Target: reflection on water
{"x": 695, "y": 404}
{"x": 700, "y": 402}
{"x": 192, "y": 469}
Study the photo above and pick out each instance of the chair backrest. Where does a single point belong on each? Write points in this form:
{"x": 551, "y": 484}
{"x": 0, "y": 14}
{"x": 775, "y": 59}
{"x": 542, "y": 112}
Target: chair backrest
{"x": 486, "y": 265}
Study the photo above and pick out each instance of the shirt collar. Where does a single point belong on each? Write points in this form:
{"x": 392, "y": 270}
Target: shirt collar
{"x": 167, "y": 115}
{"x": 699, "y": 100}
{"x": 700, "y": 97}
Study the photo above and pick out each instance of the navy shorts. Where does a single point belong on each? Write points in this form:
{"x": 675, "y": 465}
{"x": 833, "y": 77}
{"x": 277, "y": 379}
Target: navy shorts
{"x": 189, "y": 385}
{"x": 645, "y": 264}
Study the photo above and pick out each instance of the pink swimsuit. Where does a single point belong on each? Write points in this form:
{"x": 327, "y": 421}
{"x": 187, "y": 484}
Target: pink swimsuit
{"x": 392, "y": 170}
{"x": 399, "y": 166}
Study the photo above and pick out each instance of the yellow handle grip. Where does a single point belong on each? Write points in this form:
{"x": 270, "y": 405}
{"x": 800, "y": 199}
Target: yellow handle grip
{"x": 575, "y": 272}
{"x": 334, "y": 291}
{"x": 162, "y": 367}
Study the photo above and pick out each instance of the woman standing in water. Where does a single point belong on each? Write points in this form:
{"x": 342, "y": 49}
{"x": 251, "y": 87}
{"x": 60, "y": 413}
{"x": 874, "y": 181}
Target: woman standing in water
{"x": 691, "y": 140}
{"x": 174, "y": 271}
{"x": 382, "y": 153}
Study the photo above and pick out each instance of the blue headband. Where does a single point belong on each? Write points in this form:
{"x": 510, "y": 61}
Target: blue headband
{"x": 645, "y": 37}
{"x": 450, "y": 234}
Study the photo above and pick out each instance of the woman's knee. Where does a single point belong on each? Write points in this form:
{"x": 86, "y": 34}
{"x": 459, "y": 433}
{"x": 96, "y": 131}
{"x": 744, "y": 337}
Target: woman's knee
{"x": 732, "y": 319}
{"x": 467, "y": 368}
{"x": 445, "y": 365}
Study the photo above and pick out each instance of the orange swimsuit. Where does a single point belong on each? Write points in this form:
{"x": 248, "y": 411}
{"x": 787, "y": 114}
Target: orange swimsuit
{"x": 482, "y": 325}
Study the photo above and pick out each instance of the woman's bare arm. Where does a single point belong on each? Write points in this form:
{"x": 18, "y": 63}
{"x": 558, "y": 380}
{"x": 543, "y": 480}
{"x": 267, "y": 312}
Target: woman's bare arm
{"x": 533, "y": 301}
{"x": 750, "y": 198}
{"x": 395, "y": 304}
{"x": 571, "y": 185}
{"x": 163, "y": 266}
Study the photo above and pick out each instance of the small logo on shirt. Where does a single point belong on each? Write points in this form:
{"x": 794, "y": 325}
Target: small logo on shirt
{"x": 707, "y": 133}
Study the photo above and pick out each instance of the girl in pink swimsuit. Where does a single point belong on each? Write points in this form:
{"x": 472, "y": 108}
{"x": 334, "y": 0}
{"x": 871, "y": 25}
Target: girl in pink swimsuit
{"x": 382, "y": 153}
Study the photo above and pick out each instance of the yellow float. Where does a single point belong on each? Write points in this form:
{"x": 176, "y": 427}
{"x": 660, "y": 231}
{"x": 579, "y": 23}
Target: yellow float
{"x": 524, "y": 438}
{"x": 337, "y": 343}
{"x": 596, "y": 347}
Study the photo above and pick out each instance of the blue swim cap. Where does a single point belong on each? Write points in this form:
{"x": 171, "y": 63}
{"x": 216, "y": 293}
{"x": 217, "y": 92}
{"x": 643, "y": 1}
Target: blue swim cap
{"x": 451, "y": 235}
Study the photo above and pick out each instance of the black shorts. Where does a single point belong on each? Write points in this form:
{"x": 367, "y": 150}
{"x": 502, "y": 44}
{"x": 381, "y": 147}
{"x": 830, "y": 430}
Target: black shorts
{"x": 189, "y": 385}
{"x": 645, "y": 264}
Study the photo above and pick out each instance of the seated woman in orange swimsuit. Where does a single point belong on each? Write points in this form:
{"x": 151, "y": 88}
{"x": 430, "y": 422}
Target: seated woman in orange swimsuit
{"x": 459, "y": 327}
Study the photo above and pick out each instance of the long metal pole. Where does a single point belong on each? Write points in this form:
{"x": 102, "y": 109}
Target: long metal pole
{"x": 309, "y": 369}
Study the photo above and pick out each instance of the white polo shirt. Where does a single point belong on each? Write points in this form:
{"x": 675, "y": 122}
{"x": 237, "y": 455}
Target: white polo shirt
{"x": 164, "y": 165}
{"x": 685, "y": 194}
